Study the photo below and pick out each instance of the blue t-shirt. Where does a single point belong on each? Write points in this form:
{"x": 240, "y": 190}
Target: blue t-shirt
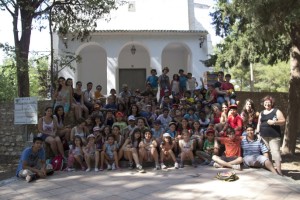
{"x": 31, "y": 158}
{"x": 182, "y": 81}
{"x": 153, "y": 80}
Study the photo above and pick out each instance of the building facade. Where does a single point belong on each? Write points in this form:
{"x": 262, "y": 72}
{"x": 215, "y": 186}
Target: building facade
{"x": 141, "y": 35}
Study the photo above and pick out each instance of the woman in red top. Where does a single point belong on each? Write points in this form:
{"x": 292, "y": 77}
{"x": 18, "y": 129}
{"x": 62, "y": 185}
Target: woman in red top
{"x": 216, "y": 114}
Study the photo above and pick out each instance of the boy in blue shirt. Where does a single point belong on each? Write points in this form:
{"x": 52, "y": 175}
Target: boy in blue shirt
{"x": 32, "y": 163}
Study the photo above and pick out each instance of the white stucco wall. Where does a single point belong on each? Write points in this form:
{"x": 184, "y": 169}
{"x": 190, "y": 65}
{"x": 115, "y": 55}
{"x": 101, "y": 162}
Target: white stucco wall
{"x": 148, "y": 15}
{"x": 154, "y": 49}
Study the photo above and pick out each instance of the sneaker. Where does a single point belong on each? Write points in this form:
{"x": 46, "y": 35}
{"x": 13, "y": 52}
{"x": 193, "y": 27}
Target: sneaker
{"x": 211, "y": 163}
{"x": 108, "y": 167}
{"x": 217, "y": 165}
{"x": 101, "y": 169}
{"x": 69, "y": 169}
{"x": 140, "y": 169}
{"x": 163, "y": 166}
{"x": 157, "y": 167}
{"x": 176, "y": 165}
{"x": 130, "y": 165}
{"x": 83, "y": 168}
{"x": 88, "y": 169}
{"x": 181, "y": 165}
{"x": 30, "y": 178}
{"x": 113, "y": 167}
{"x": 236, "y": 167}
{"x": 96, "y": 170}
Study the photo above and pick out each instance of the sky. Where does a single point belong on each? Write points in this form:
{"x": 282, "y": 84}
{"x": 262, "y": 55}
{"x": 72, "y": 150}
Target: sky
{"x": 40, "y": 40}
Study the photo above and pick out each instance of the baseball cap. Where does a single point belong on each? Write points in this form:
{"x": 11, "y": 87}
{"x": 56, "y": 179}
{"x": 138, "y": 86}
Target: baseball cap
{"x": 119, "y": 114}
{"x": 131, "y": 118}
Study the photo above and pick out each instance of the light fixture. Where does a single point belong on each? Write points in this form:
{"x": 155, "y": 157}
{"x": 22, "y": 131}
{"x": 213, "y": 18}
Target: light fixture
{"x": 201, "y": 41}
{"x": 133, "y": 50}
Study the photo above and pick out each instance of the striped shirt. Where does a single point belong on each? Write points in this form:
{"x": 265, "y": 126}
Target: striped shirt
{"x": 254, "y": 147}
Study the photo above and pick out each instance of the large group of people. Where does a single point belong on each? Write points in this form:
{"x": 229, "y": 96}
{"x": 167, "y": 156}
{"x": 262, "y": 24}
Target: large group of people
{"x": 169, "y": 123}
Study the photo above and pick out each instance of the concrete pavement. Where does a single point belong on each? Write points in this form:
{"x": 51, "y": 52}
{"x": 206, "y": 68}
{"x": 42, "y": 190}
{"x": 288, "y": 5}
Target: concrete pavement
{"x": 186, "y": 183}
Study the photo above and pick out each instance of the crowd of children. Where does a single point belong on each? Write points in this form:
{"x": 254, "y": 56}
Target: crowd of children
{"x": 185, "y": 123}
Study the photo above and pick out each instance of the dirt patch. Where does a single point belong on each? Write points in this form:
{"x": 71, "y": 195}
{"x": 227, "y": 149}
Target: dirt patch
{"x": 291, "y": 164}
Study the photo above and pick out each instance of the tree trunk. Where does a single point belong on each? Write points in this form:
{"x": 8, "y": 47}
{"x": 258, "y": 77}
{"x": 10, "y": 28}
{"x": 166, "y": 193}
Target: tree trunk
{"x": 22, "y": 48}
{"x": 292, "y": 129}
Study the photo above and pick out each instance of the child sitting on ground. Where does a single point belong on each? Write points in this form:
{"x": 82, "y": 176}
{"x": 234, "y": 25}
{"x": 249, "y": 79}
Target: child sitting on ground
{"x": 90, "y": 153}
{"x": 186, "y": 147}
{"x": 109, "y": 154}
{"x": 208, "y": 147}
{"x": 166, "y": 152}
{"x": 75, "y": 154}
{"x": 232, "y": 158}
{"x": 147, "y": 149}
{"x": 130, "y": 148}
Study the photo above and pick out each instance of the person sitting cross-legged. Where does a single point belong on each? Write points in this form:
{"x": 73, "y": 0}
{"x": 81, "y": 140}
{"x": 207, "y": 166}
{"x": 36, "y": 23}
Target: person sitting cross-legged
{"x": 232, "y": 158}
{"x": 255, "y": 152}
{"x": 32, "y": 164}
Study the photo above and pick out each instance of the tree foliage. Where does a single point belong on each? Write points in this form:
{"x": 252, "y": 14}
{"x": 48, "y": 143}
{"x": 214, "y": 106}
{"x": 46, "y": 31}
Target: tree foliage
{"x": 263, "y": 31}
{"x": 38, "y": 74}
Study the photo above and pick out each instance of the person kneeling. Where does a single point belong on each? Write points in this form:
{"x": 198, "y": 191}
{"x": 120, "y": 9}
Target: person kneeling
{"x": 32, "y": 164}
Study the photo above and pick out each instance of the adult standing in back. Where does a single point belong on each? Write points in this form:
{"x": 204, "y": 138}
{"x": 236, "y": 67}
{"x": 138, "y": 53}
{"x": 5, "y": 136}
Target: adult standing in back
{"x": 269, "y": 122}
{"x": 88, "y": 97}
{"x": 164, "y": 83}
{"x": 182, "y": 81}
{"x": 63, "y": 95}
{"x": 153, "y": 81}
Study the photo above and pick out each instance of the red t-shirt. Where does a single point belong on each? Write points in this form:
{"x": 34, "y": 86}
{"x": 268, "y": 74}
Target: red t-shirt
{"x": 232, "y": 146}
{"x": 234, "y": 122}
{"x": 227, "y": 86}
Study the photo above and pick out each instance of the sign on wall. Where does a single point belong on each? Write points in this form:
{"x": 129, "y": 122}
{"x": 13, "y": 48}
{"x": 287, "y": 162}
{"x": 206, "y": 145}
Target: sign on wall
{"x": 26, "y": 110}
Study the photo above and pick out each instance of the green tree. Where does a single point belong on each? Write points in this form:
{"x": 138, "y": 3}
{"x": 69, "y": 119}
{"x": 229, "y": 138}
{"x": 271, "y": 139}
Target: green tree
{"x": 263, "y": 31}
{"x": 272, "y": 78}
{"x": 76, "y": 16}
{"x": 38, "y": 74}
{"x": 8, "y": 86}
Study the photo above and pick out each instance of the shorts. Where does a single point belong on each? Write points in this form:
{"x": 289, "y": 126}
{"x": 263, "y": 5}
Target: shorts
{"x": 228, "y": 159}
{"x": 255, "y": 160}
{"x": 44, "y": 136}
{"x": 274, "y": 145}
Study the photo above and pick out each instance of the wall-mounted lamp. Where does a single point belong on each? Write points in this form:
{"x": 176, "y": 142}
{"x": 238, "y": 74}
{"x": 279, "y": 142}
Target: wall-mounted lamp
{"x": 133, "y": 50}
{"x": 201, "y": 41}
{"x": 65, "y": 41}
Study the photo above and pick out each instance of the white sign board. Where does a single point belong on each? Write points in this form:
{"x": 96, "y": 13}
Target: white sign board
{"x": 26, "y": 110}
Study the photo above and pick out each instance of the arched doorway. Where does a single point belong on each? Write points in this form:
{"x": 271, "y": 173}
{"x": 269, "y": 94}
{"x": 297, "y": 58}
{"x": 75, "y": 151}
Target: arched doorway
{"x": 176, "y": 56}
{"x": 134, "y": 65}
{"x": 93, "y": 66}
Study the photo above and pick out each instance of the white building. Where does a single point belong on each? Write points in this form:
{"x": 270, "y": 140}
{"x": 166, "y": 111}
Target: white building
{"x": 142, "y": 35}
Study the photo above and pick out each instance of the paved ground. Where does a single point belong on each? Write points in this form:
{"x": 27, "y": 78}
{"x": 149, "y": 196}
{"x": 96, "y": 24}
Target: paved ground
{"x": 187, "y": 183}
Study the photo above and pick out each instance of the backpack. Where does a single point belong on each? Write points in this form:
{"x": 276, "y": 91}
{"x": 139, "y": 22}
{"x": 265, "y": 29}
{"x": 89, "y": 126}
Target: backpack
{"x": 227, "y": 176}
{"x": 57, "y": 163}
